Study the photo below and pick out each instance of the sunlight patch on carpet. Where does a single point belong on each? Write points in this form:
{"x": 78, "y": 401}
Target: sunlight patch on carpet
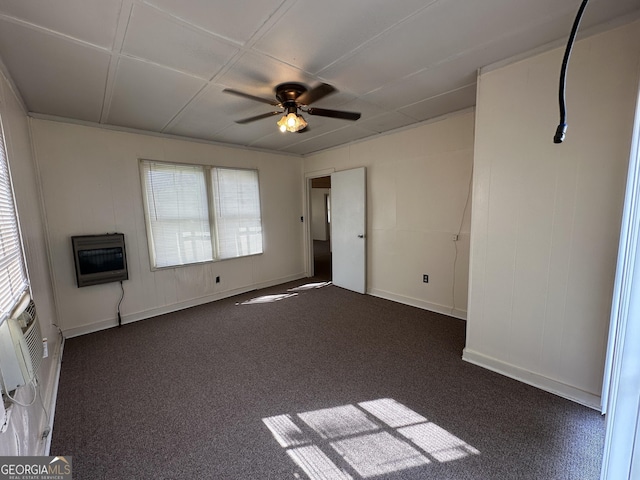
{"x": 338, "y": 421}
{"x": 378, "y": 453}
{"x": 437, "y": 442}
{"x": 268, "y": 298}
{"x": 392, "y": 413}
{"x": 365, "y": 440}
{"x": 316, "y": 464}
{"x": 309, "y": 286}
{"x": 285, "y": 431}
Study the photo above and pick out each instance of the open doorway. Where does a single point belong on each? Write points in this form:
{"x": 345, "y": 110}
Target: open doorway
{"x": 321, "y": 226}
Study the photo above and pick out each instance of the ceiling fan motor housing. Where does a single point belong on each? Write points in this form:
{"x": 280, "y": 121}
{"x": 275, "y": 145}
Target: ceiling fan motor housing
{"x": 287, "y": 93}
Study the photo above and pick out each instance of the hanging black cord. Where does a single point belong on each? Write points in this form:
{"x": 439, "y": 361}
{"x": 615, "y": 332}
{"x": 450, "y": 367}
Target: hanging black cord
{"x": 119, "y": 303}
{"x": 562, "y": 127}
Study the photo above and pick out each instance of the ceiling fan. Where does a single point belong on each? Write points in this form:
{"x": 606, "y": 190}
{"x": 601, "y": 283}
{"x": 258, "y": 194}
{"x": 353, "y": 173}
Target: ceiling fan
{"x": 291, "y": 97}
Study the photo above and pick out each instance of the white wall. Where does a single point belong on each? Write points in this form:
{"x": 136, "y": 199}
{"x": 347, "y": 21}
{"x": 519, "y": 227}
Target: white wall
{"x": 27, "y": 424}
{"x": 319, "y": 213}
{"x": 91, "y": 184}
{"x": 417, "y": 187}
{"x": 546, "y": 218}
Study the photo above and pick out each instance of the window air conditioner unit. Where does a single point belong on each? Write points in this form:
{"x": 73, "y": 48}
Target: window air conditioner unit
{"x": 21, "y": 348}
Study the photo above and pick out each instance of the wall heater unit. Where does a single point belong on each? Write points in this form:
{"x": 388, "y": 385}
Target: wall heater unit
{"x": 21, "y": 347}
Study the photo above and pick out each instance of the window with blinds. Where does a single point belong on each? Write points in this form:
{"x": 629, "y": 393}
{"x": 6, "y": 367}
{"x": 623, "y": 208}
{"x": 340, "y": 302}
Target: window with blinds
{"x": 13, "y": 275}
{"x": 197, "y": 213}
{"x": 236, "y": 198}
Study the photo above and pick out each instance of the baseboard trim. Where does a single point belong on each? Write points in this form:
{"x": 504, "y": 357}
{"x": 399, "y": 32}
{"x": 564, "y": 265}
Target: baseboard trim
{"x": 174, "y": 307}
{"x": 535, "y": 380}
{"x": 415, "y": 302}
{"x": 54, "y": 397}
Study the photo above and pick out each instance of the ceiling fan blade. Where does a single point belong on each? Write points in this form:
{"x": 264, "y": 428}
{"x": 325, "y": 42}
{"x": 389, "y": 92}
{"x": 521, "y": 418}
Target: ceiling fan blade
{"x": 323, "y": 112}
{"x": 250, "y": 97}
{"x": 257, "y": 117}
{"x": 315, "y": 94}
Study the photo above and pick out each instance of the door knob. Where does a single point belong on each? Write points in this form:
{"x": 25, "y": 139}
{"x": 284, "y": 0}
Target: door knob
{"x": 360, "y": 236}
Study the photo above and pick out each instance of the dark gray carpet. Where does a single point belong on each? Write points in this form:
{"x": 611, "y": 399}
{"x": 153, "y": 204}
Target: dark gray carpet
{"x": 182, "y": 396}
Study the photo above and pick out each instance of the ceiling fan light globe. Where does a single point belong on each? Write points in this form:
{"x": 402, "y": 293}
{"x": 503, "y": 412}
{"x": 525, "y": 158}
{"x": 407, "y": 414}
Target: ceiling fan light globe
{"x": 282, "y": 123}
{"x": 301, "y": 123}
{"x": 291, "y": 123}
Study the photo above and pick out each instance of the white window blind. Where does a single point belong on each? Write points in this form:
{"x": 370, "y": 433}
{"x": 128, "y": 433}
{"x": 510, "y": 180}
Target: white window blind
{"x": 177, "y": 213}
{"x": 236, "y": 197}
{"x": 199, "y": 214}
{"x": 13, "y": 275}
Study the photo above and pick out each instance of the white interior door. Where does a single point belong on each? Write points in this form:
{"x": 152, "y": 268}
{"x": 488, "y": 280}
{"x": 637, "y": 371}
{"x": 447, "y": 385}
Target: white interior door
{"x": 348, "y": 229}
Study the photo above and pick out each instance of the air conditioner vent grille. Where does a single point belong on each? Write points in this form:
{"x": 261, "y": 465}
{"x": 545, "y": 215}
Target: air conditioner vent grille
{"x": 33, "y": 337}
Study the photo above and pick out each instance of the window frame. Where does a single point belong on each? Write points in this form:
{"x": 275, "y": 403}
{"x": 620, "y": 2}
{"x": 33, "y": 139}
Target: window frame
{"x": 216, "y": 220}
{"x": 19, "y": 252}
{"x": 213, "y": 221}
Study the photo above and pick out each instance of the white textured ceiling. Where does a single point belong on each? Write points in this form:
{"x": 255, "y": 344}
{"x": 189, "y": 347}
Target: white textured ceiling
{"x": 161, "y": 65}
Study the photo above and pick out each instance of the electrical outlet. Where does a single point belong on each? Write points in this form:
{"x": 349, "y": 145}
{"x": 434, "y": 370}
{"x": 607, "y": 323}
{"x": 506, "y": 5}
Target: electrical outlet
{"x": 425, "y": 278}
{"x": 454, "y": 237}
{"x": 218, "y": 279}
